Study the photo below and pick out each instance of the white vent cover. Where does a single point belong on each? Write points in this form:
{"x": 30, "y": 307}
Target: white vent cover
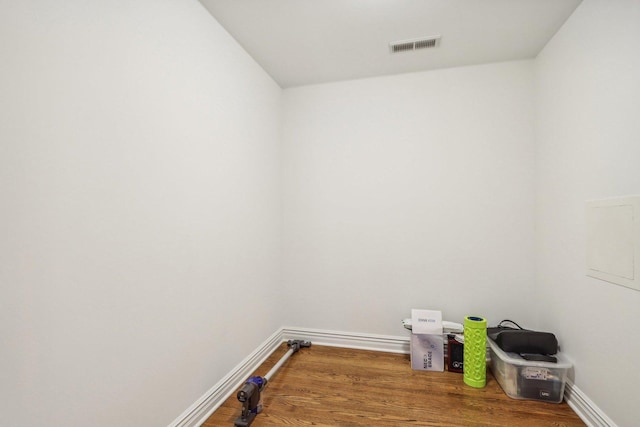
{"x": 414, "y": 44}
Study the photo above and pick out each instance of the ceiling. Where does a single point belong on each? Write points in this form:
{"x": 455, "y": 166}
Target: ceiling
{"x": 302, "y": 42}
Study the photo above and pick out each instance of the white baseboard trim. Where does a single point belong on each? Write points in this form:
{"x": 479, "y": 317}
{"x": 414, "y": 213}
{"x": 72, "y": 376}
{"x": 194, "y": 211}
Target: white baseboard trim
{"x": 386, "y": 343}
{"x": 202, "y": 409}
{"x": 585, "y": 408}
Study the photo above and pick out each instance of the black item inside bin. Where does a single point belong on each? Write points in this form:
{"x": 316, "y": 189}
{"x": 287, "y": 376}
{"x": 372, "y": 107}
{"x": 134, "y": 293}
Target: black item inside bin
{"x": 523, "y": 341}
{"x": 540, "y": 390}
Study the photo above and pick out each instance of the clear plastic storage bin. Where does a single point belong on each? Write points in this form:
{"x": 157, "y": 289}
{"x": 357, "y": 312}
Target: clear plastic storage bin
{"x": 526, "y": 379}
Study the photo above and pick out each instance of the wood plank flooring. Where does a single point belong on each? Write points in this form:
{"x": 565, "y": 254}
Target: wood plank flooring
{"x": 330, "y": 386}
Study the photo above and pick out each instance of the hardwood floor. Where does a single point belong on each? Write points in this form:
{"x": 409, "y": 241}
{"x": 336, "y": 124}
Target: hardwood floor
{"x": 330, "y": 386}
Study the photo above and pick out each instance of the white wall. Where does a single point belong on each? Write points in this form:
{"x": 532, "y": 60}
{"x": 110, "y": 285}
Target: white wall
{"x": 410, "y": 191}
{"x": 588, "y": 147}
{"x": 140, "y": 210}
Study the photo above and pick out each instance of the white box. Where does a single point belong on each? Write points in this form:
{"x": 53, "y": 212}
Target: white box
{"x": 427, "y": 340}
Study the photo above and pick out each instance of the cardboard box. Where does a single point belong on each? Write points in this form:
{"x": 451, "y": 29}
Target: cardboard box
{"x": 427, "y": 340}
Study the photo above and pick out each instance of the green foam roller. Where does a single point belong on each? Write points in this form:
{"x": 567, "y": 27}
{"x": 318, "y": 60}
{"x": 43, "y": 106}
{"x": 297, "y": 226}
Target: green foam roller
{"x": 475, "y": 351}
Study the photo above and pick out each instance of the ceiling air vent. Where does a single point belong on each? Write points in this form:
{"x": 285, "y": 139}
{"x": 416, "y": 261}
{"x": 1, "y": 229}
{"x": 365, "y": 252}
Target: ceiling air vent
{"x": 414, "y": 44}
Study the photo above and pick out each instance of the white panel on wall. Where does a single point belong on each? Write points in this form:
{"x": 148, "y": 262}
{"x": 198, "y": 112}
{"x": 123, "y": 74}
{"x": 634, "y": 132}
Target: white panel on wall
{"x": 613, "y": 240}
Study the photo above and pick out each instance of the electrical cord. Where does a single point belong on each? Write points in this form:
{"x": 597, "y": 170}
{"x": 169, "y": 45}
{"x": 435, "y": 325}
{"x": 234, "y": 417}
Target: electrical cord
{"x": 510, "y": 321}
